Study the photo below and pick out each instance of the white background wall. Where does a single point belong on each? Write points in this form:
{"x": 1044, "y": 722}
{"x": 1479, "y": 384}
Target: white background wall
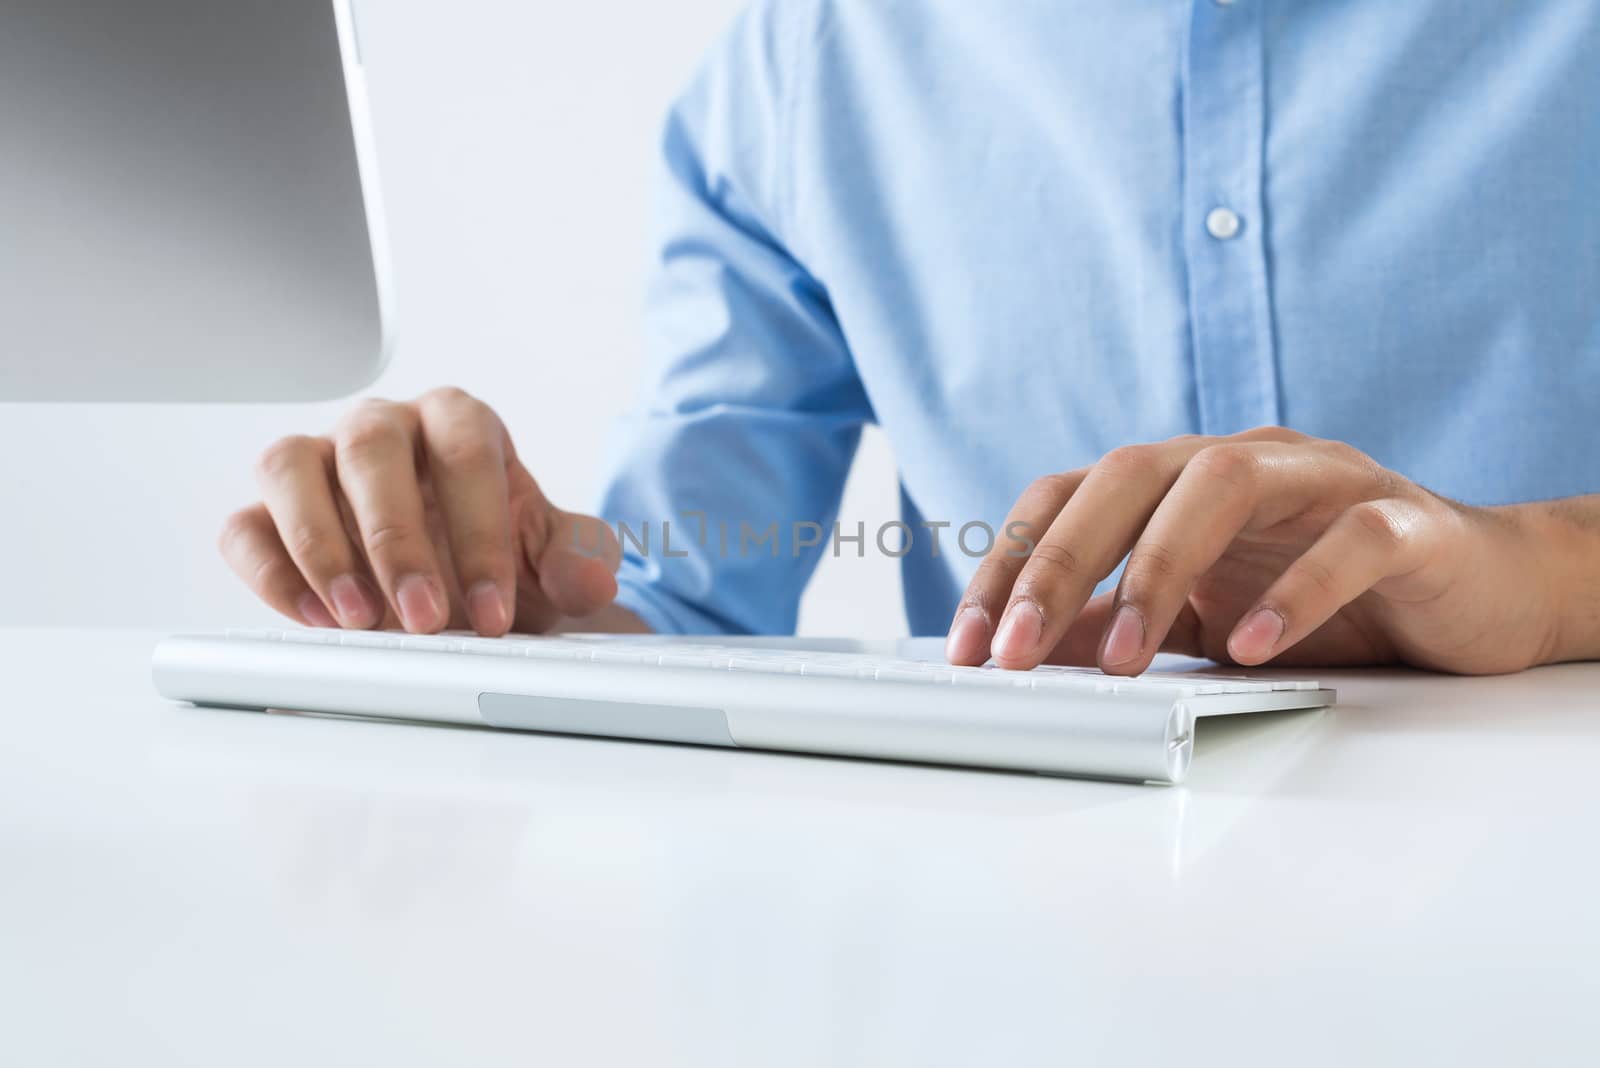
{"x": 514, "y": 138}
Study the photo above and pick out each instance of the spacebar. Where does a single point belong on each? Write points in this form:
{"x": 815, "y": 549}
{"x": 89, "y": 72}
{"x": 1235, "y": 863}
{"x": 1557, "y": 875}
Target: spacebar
{"x": 609, "y": 719}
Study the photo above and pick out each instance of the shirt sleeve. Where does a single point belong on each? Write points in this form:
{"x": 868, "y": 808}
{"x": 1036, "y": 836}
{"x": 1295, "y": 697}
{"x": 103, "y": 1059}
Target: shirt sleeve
{"x": 750, "y": 409}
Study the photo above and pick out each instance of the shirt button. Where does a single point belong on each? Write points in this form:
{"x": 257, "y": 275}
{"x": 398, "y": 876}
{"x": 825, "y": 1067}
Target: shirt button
{"x": 1222, "y": 224}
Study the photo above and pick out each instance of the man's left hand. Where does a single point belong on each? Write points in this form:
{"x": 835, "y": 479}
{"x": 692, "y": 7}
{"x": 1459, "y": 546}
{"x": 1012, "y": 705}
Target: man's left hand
{"x": 1264, "y": 546}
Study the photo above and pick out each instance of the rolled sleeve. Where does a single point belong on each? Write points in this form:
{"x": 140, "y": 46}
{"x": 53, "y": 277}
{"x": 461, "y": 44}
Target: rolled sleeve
{"x": 750, "y": 407}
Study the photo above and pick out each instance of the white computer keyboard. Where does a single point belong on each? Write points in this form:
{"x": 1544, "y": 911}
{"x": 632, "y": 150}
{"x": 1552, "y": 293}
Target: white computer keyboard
{"x": 1064, "y": 720}
{"x": 731, "y": 656}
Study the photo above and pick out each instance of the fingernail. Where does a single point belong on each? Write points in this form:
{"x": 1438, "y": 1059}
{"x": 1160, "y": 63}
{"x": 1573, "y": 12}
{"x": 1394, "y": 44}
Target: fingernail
{"x": 1020, "y": 631}
{"x": 314, "y": 613}
{"x": 419, "y": 608}
{"x": 487, "y": 607}
{"x": 351, "y": 602}
{"x": 1125, "y": 638}
{"x": 967, "y": 636}
{"x": 1255, "y": 638}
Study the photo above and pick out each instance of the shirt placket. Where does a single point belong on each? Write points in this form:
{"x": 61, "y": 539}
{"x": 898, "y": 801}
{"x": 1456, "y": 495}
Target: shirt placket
{"x": 1224, "y": 116}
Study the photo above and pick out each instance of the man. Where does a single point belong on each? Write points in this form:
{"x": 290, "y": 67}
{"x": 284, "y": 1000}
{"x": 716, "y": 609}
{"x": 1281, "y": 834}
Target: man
{"x": 1021, "y": 236}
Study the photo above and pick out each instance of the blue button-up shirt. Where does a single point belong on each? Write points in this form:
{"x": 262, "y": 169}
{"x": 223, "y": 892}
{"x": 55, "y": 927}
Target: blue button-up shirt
{"x": 1019, "y": 233}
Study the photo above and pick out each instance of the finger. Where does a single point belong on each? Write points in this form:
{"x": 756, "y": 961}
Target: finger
{"x": 972, "y": 630}
{"x": 1083, "y": 545}
{"x": 464, "y": 443}
{"x": 573, "y": 557}
{"x": 295, "y": 479}
{"x": 1224, "y": 490}
{"x": 252, "y": 548}
{"x": 375, "y": 456}
{"x": 1082, "y": 642}
{"x": 1368, "y": 543}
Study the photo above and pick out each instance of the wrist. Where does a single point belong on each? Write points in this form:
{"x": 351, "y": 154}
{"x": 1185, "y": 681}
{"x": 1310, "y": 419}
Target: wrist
{"x": 1562, "y": 551}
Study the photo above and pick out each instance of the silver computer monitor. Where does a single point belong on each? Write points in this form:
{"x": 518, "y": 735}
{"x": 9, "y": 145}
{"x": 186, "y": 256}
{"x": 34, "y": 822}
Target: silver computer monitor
{"x": 188, "y": 202}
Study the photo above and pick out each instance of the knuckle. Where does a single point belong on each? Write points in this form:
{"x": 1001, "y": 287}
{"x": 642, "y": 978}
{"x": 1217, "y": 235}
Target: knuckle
{"x": 1131, "y": 461}
{"x": 1053, "y": 488}
{"x": 284, "y": 455}
{"x": 1384, "y": 483}
{"x": 1052, "y": 562}
{"x": 1317, "y": 575}
{"x": 238, "y": 527}
{"x": 389, "y": 540}
{"x": 1379, "y": 523}
{"x": 454, "y": 405}
{"x": 447, "y": 396}
{"x": 1350, "y": 456}
{"x": 1232, "y": 464}
{"x": 1150, "y": 566}
{"x": 459, "y": 429}
{"x": 469, "y": 449}
{"x": 370, "y": 409}
{"x": 272, "y": 573}
{"x": 1270, "y": 432}
{"x": 310, "y": 543}
{"x": 369, "y": 434}
{"x": 1343, "y": 450}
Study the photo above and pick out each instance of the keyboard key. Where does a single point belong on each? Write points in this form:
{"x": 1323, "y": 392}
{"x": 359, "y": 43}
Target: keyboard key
{"x": 835, "y": 670}
{"x": 993, "y": 677}
{"x": 490, "y": 647}
{"x": 689, "y": 660}
{"x": 900, "y": 674}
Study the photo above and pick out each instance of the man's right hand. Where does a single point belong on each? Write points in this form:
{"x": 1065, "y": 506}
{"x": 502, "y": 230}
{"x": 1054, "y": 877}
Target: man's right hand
{"x": 418, "y": 515}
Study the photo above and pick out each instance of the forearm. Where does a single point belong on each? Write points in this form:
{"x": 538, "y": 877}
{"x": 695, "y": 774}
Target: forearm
{"x": 1565, "y": 535}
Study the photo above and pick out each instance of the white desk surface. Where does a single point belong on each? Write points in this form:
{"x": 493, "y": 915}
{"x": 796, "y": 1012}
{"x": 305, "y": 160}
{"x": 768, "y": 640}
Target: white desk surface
{"x": 1410, "y": 878}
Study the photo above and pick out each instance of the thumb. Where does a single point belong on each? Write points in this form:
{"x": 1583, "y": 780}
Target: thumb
{"x": 575, "y": 558}
{"x": 1080, "y": 645}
